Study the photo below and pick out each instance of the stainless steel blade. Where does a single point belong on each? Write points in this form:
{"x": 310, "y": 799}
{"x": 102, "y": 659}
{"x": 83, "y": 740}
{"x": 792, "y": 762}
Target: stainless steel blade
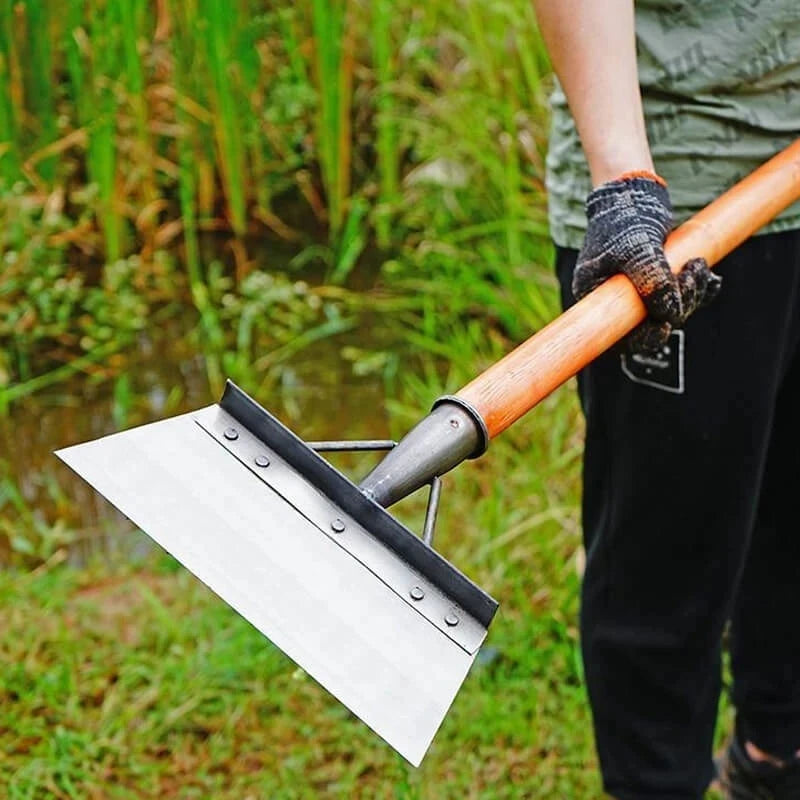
{"x": 329, "y": 612}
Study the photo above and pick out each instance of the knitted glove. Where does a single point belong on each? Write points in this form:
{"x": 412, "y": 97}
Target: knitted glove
{"x": 629, "y": 220}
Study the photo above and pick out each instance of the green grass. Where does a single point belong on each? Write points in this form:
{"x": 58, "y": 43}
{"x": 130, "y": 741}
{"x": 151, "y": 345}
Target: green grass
{"x": 143, "y": 685}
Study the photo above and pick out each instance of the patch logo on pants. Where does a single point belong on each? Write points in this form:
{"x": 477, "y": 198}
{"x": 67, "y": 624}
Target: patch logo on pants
{"x": 664, "y": 370}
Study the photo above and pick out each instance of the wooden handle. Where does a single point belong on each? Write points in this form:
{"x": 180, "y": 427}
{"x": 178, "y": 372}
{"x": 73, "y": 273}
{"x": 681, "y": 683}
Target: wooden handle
{"x": 520, "y": 380}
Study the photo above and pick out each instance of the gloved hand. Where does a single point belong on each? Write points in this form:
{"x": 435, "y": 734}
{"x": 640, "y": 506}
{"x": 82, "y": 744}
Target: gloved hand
{"x": 629, "y": 219}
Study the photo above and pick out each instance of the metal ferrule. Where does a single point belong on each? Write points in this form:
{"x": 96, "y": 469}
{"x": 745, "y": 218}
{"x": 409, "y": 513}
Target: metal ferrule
{"x": 474, "y": 415}
{"x": 447, "y": 436}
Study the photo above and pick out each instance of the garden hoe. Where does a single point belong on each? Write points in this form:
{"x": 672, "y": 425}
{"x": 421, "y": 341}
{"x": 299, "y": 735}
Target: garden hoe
{"x": 315, "y": 562}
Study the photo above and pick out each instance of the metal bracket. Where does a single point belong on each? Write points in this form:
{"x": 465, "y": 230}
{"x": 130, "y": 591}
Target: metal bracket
{"x": 377, "y": 445}
{"x": 432, "y": 510}
{"x": 352, "y": 446}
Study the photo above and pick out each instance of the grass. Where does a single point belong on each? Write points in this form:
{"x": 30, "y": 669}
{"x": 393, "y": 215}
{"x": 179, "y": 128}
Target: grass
{"x": 144, "y": 685}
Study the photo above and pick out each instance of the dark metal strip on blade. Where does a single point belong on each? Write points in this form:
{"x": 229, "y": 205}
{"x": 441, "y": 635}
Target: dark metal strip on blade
{"x": 361, "y": 508}
{"x": 414, "y": 589}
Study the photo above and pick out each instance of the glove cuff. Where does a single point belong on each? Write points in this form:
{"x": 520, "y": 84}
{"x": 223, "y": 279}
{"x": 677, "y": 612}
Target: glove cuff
{"x": 640, "y": 190}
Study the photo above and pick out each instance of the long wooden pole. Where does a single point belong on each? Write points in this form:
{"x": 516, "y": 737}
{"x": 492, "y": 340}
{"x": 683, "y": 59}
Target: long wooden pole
{"x": 516, "y": 383}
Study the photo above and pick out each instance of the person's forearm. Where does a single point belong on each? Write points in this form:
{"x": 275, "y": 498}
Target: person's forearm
{"x": 593, "y": 49}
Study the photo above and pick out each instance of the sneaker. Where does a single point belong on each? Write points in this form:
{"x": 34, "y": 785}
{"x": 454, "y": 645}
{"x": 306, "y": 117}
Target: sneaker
{"x": 741, "y": 778}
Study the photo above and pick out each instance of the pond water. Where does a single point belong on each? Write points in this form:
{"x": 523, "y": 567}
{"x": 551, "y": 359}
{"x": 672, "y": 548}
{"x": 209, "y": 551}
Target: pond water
{"x": 163, "y": 375}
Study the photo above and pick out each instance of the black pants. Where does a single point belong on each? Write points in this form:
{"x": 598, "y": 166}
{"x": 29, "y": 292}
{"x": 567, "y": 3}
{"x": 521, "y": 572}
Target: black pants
{"x": 690, "y": 512}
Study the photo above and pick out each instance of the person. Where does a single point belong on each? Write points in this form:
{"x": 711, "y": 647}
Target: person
{"x": 692, "y": 427}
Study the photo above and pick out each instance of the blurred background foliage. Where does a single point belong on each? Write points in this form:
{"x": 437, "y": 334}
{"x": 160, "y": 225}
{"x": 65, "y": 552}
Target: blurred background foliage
{"x": 394, "y": 147}
{"x": 292, "y": 196}
{"x": 340, "y": 205}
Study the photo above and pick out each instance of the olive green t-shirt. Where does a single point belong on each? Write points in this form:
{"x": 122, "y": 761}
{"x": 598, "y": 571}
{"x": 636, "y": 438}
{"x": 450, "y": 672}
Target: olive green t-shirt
{"x": 721, "y": 89}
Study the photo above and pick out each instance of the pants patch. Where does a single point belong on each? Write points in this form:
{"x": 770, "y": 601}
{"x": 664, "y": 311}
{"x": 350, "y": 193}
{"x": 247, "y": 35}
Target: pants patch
{"x": 663, "y": 370}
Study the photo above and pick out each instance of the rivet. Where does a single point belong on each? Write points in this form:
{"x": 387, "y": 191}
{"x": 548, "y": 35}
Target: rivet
{"x": 337, "y": 525}
{"x": 231, "y": 433}
{"x": 417, "y": 593}
{"x": 262, "y": 461}
{"x": 454, "y": 423}
{"x": 451, "y": 619}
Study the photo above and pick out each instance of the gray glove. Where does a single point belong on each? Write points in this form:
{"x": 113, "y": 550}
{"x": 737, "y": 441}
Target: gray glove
{"x": 629, "y": 220}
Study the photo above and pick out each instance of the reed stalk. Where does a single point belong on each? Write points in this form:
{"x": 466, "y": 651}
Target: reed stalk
{"x": 39, "y": 79}
{"x": 9, "y": 151}
{"x": 101, "y": 53}
{"x": 194, "y": 137}
{"x": 133, "y": 19}
{"x": 387, "y": 145}
{"x": 219, "y": 23}
{"x": 334, "y": 71}
{"x": 193, "y": 108}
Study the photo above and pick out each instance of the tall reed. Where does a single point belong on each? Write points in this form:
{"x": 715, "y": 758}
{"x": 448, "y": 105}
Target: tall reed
{"x": 193, "y": 142}
{"x": 240, "y": 115}
{"x": 386, "y": 140}
{"x": 39, "y": 78}
{"x": 9, "y": 153}
{"x": 98, "y": 71}
{"x": 134, "y": 20}
{"x": 334, "y": 61}
{"x": 218, "y": 37}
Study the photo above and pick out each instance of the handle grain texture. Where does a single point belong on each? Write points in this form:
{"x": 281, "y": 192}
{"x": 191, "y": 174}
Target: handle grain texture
{"x": 520, "y": 380}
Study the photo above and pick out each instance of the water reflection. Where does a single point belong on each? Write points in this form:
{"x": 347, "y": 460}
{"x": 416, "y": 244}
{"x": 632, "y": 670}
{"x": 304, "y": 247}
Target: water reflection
{"x": 164, "y": 374}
